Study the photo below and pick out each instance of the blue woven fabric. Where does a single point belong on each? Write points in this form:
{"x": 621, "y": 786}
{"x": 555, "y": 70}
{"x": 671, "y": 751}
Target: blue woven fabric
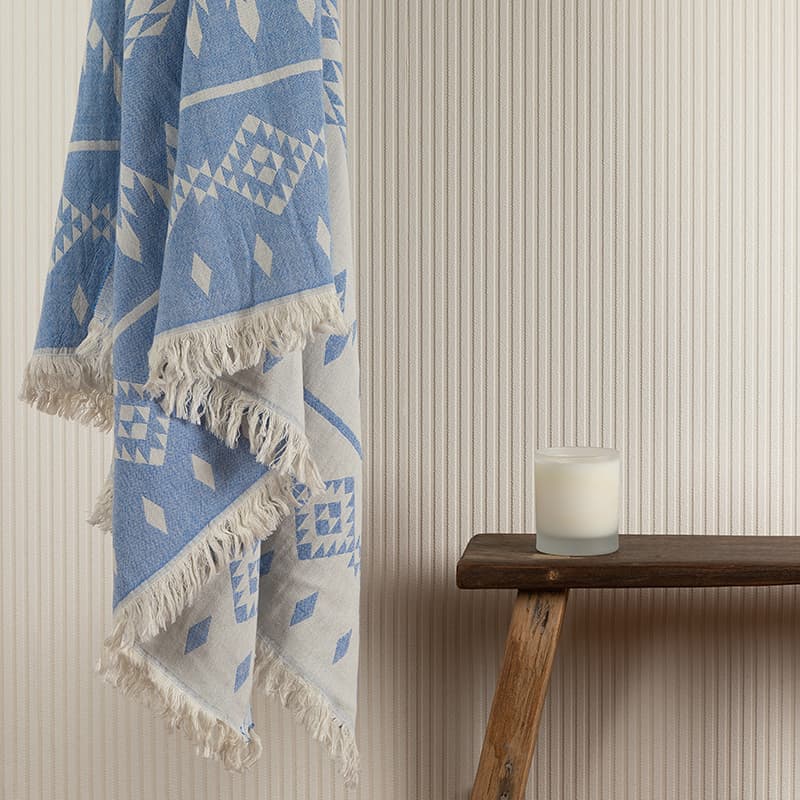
{"x": 200, "y": 304}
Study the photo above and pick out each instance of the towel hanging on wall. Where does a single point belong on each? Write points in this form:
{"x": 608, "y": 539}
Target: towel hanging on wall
{"x": 200, "y": 304}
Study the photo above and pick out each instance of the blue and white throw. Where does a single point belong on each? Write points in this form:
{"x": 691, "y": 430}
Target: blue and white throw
{"x": 200, "y": 304}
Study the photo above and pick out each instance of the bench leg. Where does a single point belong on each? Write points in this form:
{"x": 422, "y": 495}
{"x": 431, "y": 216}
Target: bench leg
{"x": 519, "y": 696}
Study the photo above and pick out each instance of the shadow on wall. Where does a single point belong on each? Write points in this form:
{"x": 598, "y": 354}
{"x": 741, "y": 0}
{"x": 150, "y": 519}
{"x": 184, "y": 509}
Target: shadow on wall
{"x": 696, "y": 665}
{"x": 696, "y": 659}
{"x": 444, "y": 654}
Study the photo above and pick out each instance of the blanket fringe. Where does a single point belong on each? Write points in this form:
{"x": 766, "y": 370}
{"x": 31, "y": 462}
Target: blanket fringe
{"x": 134, "y": 674}
{"x": 96, "y": 350}
{"x": 187, "y": 370}
{"x": 227, "y": 346}
{"x": 227, "y": 412}
{"x": 103, "y": 511}
{"x": 74, "y": 384}
{"x": 162, "y": 600}
{"x": 312, "y": 709}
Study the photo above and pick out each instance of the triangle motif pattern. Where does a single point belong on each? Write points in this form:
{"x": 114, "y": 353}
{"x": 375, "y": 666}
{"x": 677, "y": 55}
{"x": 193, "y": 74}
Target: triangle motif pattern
{"x": 332, "y": 71}
{"x": 145, "y": 18}
{"x": 325, "y": 525}
{"x": 140, "y": 434}
{"x": 136, "y": 189}
{"x": 263, "y": 164}
{"x": 245, "y": 573}
{"x": 72, "y": 223}
{"x": 99, "y": 49}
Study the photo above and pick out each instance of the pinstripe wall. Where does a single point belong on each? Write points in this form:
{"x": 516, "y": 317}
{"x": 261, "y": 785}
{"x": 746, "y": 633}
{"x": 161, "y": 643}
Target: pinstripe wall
{"x": 577, "y": 223}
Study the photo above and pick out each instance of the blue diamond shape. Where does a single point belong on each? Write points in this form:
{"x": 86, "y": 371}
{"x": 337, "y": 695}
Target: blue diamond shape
{"x": 342, "y": 646}
{"x": 242, "y": 673}
{"x": 197, "y": 635}
{"x": 304, "y": 608}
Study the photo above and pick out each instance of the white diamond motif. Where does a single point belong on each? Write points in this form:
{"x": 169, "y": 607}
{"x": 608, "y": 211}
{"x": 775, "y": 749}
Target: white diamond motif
{"x": 201, "y": 273}
{"x": 323, "y": 236}
{"x": 263, "y": 256}
{"x": 80, "y": 305}
{"x": 203, "y": 472}
{"x": 154, "y": 514}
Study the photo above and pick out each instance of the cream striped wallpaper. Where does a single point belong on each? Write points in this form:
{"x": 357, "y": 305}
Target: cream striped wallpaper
{"x": 576, "y": 222}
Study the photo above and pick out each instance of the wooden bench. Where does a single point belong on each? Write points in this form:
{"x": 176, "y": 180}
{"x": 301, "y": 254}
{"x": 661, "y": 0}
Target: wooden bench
{"x": 510, "y": 561}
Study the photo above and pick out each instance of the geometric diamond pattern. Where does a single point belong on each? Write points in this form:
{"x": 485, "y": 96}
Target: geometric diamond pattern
{"x": 262, "y": 164}
{"x": 140, "y": 436}
{"x": 103, "y": 52}
{"x": 304, "y": 608}
{"x": 203, "y": 471}
{"x": 244, "y": 584}
{"x": 145, "y": 18}
{"x": 137, "y": 194}
{"x": 72, "y": 223}
{"x": 154, "y": 514}
{"x": 242, "y": 672}
{"x": 333, "y": 103}
{"x": 197, "y": 635}
{"x": 332, "y": 73}
{"x": 342, "y": 646}
{"x": 80, "y": 305}
{"x": 262, "y": 255}
{"x": 326, "y": 527}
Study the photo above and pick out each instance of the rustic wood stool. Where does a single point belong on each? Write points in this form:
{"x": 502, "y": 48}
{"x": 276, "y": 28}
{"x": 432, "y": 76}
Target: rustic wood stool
{"x": 510, "y": 561}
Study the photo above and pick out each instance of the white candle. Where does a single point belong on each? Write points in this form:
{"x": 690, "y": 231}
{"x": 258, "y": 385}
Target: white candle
{"x": 577, "y": 500}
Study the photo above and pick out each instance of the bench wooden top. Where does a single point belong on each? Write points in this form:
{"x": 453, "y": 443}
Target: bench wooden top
{"x": 510, "y": 561}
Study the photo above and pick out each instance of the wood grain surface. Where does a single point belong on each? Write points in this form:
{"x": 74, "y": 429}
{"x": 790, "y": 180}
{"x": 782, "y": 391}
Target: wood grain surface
{"x": 510, "y": 561}
{"x": 521, "y": 689}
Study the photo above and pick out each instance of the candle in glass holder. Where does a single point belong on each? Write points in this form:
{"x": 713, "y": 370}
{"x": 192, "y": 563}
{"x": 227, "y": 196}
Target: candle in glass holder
{"x": 577, "y": 500}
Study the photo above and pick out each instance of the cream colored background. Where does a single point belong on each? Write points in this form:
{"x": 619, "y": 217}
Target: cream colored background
{"x": 577, "y": 223}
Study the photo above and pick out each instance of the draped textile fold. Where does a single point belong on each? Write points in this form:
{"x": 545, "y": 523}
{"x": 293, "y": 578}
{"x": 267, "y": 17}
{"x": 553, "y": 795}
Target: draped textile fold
{"x": 200, "y": 305}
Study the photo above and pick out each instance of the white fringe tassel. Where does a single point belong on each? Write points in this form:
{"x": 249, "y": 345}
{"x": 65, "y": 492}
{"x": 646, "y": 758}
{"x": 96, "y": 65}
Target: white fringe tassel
{"x": 74, "y": 384}
{"x": 134, "y": 674}
{"x": 187, "y": 372}
{"x": 227, "y": 412}
{"x": 312, "y": 709}
{"x": 103, "y": 511}
{"x": 161, "y": 601}
{"x": 240, "y": 342}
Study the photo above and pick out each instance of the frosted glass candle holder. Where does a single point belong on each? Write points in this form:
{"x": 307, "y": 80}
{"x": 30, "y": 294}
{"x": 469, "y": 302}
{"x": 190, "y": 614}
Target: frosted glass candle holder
{"x": 577, "y": 501}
